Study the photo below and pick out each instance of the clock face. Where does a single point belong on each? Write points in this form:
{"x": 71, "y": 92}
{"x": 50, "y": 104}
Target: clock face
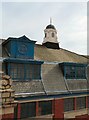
{"x": 22, "y": 49}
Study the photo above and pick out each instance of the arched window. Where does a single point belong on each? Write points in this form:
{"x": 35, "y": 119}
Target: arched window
{"x": 52, "y": 34}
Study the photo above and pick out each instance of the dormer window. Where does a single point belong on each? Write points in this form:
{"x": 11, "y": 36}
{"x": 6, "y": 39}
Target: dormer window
{"x": 74, "y": 70}
{"x": 24, "y": 70}
{"x": 21, "y": 47}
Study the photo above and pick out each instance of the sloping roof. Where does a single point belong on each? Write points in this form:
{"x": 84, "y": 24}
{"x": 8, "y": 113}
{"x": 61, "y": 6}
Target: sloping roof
{"x": 53, "y": 55}
{"x": 86, "y": 56}
{"x": 55, "y": 83}
{"x": 20, "y": 39}
{"x": 77, "y": 85}
{"x": 57, "y": 55}
{"x": 53, "y": 79}
{"x": 31, "y": 87}
{"x": 52, "y": 83}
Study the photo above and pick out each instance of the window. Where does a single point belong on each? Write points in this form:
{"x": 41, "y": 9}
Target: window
{"x": 33, "y": 71}
{"x": 29, "y": 71}
{"x": 20, "y": 71}
{"x": 25, "y": 71}
{"x": 17, "y": 71}
{"x": 45, "y": 34}
{"x": 45, "y": 107}
{"x": 88, "y": 101}
{"x": 81, "y": 102}
{"x": 80, "y": 72}
{"x": 52, "y": 34}
{"x": 74, "y": 72}
{"x": 70, "y": 72}
{"x": 68, "y": 104}
{"x": 36, "y": 71}
{"x": 28, "y": 110}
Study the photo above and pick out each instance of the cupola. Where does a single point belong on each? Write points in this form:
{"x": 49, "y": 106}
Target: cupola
{"x": 50, "y": 38}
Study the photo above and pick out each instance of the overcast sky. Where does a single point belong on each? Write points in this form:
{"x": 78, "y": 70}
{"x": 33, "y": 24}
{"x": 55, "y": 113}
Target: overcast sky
{"x": 30, "y": 19}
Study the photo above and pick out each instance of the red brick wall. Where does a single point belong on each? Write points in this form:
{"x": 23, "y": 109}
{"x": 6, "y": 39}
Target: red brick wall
{"x": 8, "y": 117}
{"x": 82, "y": 117}
{"x": 37, "y": 108}
{"x": 59, "y": 109}
{"x": 19, "y": 110}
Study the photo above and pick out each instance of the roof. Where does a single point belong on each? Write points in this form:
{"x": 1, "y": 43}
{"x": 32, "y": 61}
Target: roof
{"x": 53, "y": 81}
{"x": 31, "y": 87}
{"x": 20, "y": 39}
{"x": 87, "y": 56}
{"x": 23, "y": 60}
{"x": 53, "y": 55}
{"x": 50, "y": 27}
{"x": 57, "y": 55}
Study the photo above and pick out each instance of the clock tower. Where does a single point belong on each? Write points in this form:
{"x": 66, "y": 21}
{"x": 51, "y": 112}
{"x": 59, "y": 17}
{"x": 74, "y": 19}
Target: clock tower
{"x": 50, "y": 38}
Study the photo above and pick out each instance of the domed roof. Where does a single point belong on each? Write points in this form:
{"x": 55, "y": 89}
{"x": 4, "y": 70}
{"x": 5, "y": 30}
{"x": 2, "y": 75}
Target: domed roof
{"x": 50, "y": 27}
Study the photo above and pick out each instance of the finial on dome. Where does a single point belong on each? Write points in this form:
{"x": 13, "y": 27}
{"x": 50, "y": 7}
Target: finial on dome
{"x": 50, "y": 21}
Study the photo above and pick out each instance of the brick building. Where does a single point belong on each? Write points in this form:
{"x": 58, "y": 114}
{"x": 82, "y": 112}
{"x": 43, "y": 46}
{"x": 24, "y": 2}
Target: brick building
{"x": 49, "y": 82}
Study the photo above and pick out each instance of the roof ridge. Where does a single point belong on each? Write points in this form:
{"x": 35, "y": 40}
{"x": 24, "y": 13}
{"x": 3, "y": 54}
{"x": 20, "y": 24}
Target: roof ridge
{"x": 73, "y": 52}
{"x": 64, "y": 50}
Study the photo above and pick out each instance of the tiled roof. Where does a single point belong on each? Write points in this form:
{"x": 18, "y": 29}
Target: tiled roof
{"x": 32, "y": 87}
{"x": 77, "y": 85}
{"x": 59, "y": 55}
{"x": 53, "y": 55}
{"x": 52, "y": 81}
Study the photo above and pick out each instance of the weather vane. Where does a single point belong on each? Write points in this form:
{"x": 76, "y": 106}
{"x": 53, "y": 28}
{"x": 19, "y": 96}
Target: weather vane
{"x": 50, "y": 20}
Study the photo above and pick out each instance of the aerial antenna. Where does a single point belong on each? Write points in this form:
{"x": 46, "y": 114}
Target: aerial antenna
{"x": 50, "y": 20}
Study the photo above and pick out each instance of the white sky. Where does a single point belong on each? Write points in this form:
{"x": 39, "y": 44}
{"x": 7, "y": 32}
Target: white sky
{"x": 31, "y": 18}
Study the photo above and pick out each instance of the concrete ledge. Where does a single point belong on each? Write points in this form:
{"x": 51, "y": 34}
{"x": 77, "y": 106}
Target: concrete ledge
{"x": 74, "y": 113}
